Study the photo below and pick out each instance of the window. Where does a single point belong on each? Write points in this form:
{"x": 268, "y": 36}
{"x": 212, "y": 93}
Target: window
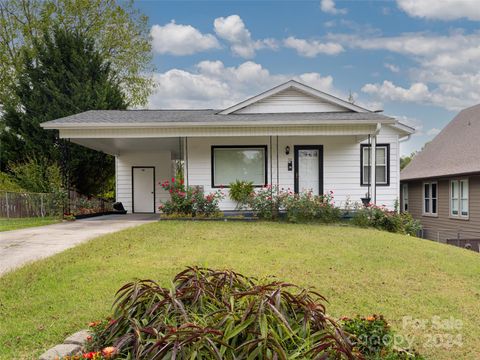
{"x": 382, "y": 171}
{"x": 404, "y": 197}
{"x": 231, "y": 163}
{"x": 459, "y": 198}
{"x": 430, "y": 198}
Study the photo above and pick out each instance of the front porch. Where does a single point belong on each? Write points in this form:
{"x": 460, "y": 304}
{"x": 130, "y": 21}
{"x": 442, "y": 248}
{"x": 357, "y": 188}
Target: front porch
{"x": 320, "y": 163}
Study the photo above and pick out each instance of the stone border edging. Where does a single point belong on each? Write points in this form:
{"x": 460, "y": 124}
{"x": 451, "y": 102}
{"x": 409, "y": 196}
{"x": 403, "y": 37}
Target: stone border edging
{"x": 72, "y": 345}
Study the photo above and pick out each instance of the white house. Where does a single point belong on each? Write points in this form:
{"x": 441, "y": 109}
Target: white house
{"x": 292, "y": 136}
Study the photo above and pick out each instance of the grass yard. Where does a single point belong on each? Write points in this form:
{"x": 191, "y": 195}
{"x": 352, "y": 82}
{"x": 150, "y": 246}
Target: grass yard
{"x": 21, "y": 223}
{"x": 359, "y": 271}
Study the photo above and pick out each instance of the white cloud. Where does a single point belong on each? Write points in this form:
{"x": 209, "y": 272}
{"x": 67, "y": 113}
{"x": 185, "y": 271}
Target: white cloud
{"x": 441, "y": 9}
{"x": 388, "y": 91}
{"x": 213, "y": 85}
{"x": 433, "y": 132}
{"x": 233, "y": 30}
{"x": 177, "y": 39}
{"x": 446, "y": 64}
{"x": 328, "y": 6}
{"x": 392, "y": 67}
{"x": 311, "y": 48}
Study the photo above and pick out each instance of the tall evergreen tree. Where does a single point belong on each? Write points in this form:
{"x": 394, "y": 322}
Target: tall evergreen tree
{"x": 67, "y": 75}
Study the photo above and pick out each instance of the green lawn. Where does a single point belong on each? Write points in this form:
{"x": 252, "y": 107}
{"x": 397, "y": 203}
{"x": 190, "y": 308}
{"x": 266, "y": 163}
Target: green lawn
{"x": 359, "y": 271}
{"x": 21, "y": 223}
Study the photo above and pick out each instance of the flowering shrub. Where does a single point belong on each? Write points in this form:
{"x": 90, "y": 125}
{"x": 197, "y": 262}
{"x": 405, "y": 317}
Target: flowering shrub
{"x": 381, "y": 218}
{"x": 373, "y": 337}
{"x": 266, "y": 202}
{"x": 306, "y": 207}
{"x": 188, "y": 201}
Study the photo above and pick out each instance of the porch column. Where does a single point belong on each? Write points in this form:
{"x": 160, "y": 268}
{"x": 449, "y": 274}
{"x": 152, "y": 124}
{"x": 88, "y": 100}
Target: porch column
{"x": 185, "y": 160}
{"x": 373, "y": 168}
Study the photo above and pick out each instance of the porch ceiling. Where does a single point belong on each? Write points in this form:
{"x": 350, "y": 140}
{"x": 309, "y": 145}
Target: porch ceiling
{"x": 118, "y": 146}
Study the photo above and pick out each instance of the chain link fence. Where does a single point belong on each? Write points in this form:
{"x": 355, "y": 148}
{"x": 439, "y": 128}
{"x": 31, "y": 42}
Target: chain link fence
{"x": 27, "y": 204}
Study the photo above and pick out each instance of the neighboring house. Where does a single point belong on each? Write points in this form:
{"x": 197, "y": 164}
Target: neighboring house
{"x": 292, "y": 136}
{"x": 441, "y": 185}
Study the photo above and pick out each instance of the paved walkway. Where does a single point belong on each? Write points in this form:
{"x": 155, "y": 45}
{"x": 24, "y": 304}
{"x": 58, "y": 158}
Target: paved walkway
{"x": 18, "y": 247}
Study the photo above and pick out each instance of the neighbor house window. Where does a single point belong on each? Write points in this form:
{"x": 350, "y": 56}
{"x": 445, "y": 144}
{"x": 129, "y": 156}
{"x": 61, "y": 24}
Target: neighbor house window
{"x": 404, "y": 197}
{"x": 459, "y": 198}
{"x": 382, "y": 172}
{"x": 231, "y": 163}
{"x": 430, "y": 190}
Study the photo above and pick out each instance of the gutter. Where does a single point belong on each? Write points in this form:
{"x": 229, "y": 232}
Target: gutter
{"x": 110, "y": 125}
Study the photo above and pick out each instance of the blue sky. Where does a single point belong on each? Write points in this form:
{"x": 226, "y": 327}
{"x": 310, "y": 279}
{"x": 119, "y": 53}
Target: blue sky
{"x": 416, "y": 59}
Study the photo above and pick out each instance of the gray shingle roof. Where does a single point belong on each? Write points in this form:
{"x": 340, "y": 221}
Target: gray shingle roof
{"x": 141, "y": 117}
{"x": 456, "y": 150}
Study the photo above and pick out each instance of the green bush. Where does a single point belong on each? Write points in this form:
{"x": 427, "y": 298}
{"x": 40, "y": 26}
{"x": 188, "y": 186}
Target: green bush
{"x": 240, "y": 192}
{"x": 373, "y": 337}
{"x": 217, "y": 314}
{"x": 8, "y": 183}
{"x": 383, "y": 219}
{"x": 39, "y": 176}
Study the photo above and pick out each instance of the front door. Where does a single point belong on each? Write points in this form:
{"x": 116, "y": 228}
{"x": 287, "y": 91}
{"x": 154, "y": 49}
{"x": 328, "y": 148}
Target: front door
{"x": 143, "y": 189}
{"x": 309, "y": 168}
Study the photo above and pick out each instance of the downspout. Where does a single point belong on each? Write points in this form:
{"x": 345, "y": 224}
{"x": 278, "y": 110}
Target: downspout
{"x": 373, "y": 166}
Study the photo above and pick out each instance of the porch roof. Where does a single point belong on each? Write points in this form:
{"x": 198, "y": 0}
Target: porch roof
{"x": 188, "y": 118}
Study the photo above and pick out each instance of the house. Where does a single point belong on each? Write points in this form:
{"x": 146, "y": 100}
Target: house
{"x": 441, "y": 185}
{"x": 292, "y": 136}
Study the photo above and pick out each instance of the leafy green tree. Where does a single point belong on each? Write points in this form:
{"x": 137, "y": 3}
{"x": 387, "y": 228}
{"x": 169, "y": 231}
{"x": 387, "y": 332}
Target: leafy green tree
{"x": 120, "y": 34}
{"x": 405, "y": 160}
{"x": 66, "y": 76}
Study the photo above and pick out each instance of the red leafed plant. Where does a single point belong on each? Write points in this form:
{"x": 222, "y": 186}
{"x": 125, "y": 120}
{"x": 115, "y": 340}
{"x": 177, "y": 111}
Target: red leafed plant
{"x": 220, "y": 314}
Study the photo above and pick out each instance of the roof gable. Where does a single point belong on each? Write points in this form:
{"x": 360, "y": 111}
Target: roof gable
{"x": 292, "y": 97}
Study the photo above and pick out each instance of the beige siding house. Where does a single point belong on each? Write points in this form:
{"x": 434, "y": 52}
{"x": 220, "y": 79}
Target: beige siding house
{"x": 292, "y": 136}
{"x": 441, "y": 186}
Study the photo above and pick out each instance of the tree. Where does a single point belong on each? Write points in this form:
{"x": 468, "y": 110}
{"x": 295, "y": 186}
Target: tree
{"x": 120, "y": 35}
{"x": 405, "y": 160}
{"x": 67, "y": 75}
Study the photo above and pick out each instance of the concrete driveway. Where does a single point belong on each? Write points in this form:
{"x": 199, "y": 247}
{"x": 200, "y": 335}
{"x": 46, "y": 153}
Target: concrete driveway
{"x": 18, "y": 247}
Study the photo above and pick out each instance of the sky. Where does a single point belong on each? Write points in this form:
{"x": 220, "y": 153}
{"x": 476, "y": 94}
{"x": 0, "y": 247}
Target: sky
{"x": 418, "y": 60}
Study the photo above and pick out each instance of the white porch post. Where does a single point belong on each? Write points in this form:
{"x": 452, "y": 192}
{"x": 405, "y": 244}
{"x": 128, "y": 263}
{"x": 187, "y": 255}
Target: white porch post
{"x": 185, "y": 160}
{"x": 373, "y": 167}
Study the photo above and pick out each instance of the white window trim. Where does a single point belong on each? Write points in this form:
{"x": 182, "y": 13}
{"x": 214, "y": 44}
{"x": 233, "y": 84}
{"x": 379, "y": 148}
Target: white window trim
{"x": 404, "y": 198}
{"x": 430, "y": 213}
{"x": 459, "y": 200}
{"x": 368, "y": 147}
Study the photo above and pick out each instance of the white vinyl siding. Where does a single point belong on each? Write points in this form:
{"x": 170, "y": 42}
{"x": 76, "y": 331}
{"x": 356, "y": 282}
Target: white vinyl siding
{"x": 430, "y": 198}
{"x": 290, "y": 101}
{"x": 459, "y": 198}
{"x": 341, "y": 170}
{"x": 161, "y": 160}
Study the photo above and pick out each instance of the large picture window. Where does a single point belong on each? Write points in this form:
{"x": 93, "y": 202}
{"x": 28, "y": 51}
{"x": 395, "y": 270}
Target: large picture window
{"x": 382, "y": 171}
{"x": 459, "y": 198}
{"x": 231, "y": 163}
{"x": 430, "y": 198}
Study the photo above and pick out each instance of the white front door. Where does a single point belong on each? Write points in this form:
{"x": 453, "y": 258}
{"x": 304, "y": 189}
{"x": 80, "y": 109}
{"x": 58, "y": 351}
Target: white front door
{"x": 143, "y": 186}
{"x": 308, "y": 169}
